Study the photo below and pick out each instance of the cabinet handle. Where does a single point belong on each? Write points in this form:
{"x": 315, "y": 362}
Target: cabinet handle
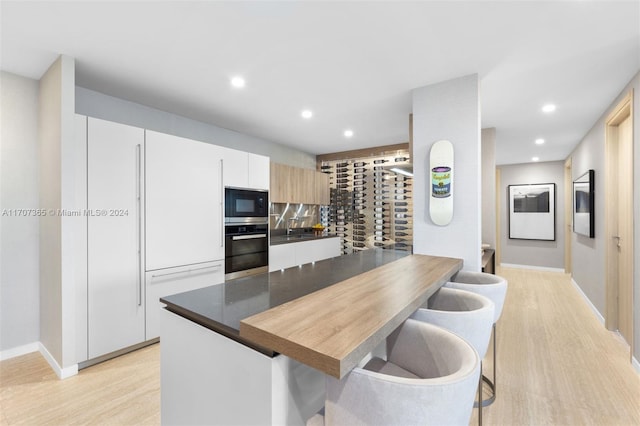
{"x": 138, "y": 204}
{"x": 248, "y": 237}
{"x": 187, "y": 271}
{"x": 221, "y": 202}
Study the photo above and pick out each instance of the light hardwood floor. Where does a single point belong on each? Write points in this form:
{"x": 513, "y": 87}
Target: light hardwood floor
{"x": 557, "y": 365}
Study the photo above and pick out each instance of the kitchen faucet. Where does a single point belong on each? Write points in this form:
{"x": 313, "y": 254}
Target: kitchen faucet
{"x": 291, "y": 219}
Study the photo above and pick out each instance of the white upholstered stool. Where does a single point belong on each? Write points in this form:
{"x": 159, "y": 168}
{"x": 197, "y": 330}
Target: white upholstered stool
{"x": 493, "y": 287}
{"x": 430, "y": 378}
{"x": 466, "y": 314}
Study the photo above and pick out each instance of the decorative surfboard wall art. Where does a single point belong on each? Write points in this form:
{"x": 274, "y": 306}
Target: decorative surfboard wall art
{"x": 371, "y": 205}
{"x": 441, "y": 170}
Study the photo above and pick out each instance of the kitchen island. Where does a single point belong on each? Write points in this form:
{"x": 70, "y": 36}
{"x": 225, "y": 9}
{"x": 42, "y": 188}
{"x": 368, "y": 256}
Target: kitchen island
{"x": 219, "y": 350}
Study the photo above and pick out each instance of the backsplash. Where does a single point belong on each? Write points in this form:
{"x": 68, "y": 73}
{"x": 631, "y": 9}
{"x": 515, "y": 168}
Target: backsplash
{"x": 306, "y": 215}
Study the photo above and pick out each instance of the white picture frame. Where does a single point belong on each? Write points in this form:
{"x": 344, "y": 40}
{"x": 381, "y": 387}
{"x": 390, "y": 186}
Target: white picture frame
{"x": 532, "y": 209}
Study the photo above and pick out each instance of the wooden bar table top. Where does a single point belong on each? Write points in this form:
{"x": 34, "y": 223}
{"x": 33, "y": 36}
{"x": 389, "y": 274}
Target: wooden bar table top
{"x": 334, "y": 328}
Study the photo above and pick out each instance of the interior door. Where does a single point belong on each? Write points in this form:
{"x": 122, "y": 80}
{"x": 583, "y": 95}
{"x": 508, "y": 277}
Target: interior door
{"x": 568, "y": 215}
{"x": 625, "y": 223}
{"x": 114, "y": 190}
{"x": 619, "y": 219}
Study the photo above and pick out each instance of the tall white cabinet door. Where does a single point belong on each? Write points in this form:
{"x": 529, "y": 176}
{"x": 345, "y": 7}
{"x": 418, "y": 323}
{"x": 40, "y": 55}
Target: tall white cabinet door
{"x": 259, "y": 171}
{"x": 184, "y": 218}
{"x": 115, "y": 171}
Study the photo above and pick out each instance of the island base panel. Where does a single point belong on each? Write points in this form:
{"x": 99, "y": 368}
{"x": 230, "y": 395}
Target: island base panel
{"x": 207, "y": 378}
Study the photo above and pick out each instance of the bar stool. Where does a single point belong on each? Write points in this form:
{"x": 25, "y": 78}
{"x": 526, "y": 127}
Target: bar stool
{"x": 466, "y": 314}
{"x": 430, "y": 378}
{"x": 493, "y": 287}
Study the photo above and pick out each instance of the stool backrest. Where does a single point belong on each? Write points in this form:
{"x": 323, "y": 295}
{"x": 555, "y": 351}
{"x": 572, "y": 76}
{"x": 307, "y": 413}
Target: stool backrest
{"x": 466, "y": 314}
{"x": 371, "y": 398}
{"x": 491, "y": 286}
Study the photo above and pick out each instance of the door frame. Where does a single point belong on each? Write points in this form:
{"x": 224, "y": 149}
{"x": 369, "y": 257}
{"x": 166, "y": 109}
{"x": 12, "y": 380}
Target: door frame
{"x": 568, "y": 215}
{"x": 498, "y": 253}
{"x": 623, "y": 110}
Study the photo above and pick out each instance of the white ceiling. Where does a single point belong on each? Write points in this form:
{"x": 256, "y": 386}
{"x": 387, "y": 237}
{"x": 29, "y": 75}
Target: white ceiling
{"x": 353, "y": 63}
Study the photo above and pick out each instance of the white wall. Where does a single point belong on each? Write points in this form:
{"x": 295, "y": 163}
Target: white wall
{"x": 99, "y": 105}
{"x": 588, "y": 255}
{"x": 488, "y": 137}
{"x": 19, "y": 189}
{"x": 546, "y": 254}
{"x": 56, "y": 144}
{"x": 451, "y": 111}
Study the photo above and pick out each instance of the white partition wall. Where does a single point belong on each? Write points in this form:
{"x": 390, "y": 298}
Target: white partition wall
{"x": 449, "y": 110}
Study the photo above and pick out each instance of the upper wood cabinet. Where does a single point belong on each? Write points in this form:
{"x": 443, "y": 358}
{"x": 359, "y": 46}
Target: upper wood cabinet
{"x": 297, "y": 185}
{"x": 322, "y": 189}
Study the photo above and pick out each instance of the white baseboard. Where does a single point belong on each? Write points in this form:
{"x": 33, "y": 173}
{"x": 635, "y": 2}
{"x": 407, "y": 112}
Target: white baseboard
{"x": 537, "y": 268}
{"x": 634, "y": 361}
{"x": 62, "y": 373}
{"x": 586, "y": 299}
{"x": 19, "y": 351}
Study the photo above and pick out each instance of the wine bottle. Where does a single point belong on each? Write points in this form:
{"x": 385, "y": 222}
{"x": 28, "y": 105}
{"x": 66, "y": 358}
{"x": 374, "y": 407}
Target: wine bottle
{"x": 360, "y": 164}
{"x": 380, "y": 161}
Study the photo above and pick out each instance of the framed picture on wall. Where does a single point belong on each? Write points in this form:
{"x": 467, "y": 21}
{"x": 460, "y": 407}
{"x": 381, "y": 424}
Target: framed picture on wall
{"x": 532, "y": 211}
{"x": 583, "y": 205}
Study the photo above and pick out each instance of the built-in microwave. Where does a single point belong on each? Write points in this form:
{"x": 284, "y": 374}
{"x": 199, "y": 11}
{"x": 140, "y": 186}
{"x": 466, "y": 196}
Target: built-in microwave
{"x": 246, "y": 206}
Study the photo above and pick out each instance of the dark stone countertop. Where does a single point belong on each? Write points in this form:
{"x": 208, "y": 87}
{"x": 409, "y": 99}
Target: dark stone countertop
{"x": 221, "y": 307}
{"x": 298, "y": 235}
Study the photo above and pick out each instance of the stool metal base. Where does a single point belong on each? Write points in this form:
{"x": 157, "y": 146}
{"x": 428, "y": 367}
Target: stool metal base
{"x": 492, "y": 398}
{"x": 485, "y": 379}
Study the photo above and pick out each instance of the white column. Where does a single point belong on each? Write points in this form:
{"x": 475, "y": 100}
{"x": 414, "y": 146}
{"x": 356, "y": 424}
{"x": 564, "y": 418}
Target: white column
{"x": 449, "y": 110}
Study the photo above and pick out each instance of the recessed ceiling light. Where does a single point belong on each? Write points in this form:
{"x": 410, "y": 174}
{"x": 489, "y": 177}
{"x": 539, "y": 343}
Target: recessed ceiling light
{"x": 348, "y": 133}
{"x": 549, "y": 108}
{"x": 535, "y": 159}
{"x": 238, "y": 82}
{"x": 539, "y": 141}
{"x": 306, "y": 113}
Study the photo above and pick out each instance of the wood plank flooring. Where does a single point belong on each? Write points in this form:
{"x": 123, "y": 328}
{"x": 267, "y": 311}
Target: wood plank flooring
{"x": 557, "y": 365}
{"x": 121, "y": 391}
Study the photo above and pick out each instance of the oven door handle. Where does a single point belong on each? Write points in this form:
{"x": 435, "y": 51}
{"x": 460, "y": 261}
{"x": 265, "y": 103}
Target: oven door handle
{"x": 248, "y": 237}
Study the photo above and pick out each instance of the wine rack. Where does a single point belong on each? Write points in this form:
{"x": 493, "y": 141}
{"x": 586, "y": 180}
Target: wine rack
{"x": 371, "y": 206}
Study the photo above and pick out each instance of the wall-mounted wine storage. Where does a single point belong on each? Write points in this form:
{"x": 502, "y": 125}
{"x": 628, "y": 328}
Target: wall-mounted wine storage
{"x": 371, "y": 204}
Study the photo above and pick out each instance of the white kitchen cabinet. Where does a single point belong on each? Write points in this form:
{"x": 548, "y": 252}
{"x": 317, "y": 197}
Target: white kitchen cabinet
{"x": 245, "y": 170}
{"x": 184, "y": 217}
{"x": 284, "y": 256}
{"x": 235, "y": 168}
{"x": 259, "y": 171}
{"x": 176, "y": 280}
{"x": 115, "y": 190}
{"x": 313, "y": 251}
